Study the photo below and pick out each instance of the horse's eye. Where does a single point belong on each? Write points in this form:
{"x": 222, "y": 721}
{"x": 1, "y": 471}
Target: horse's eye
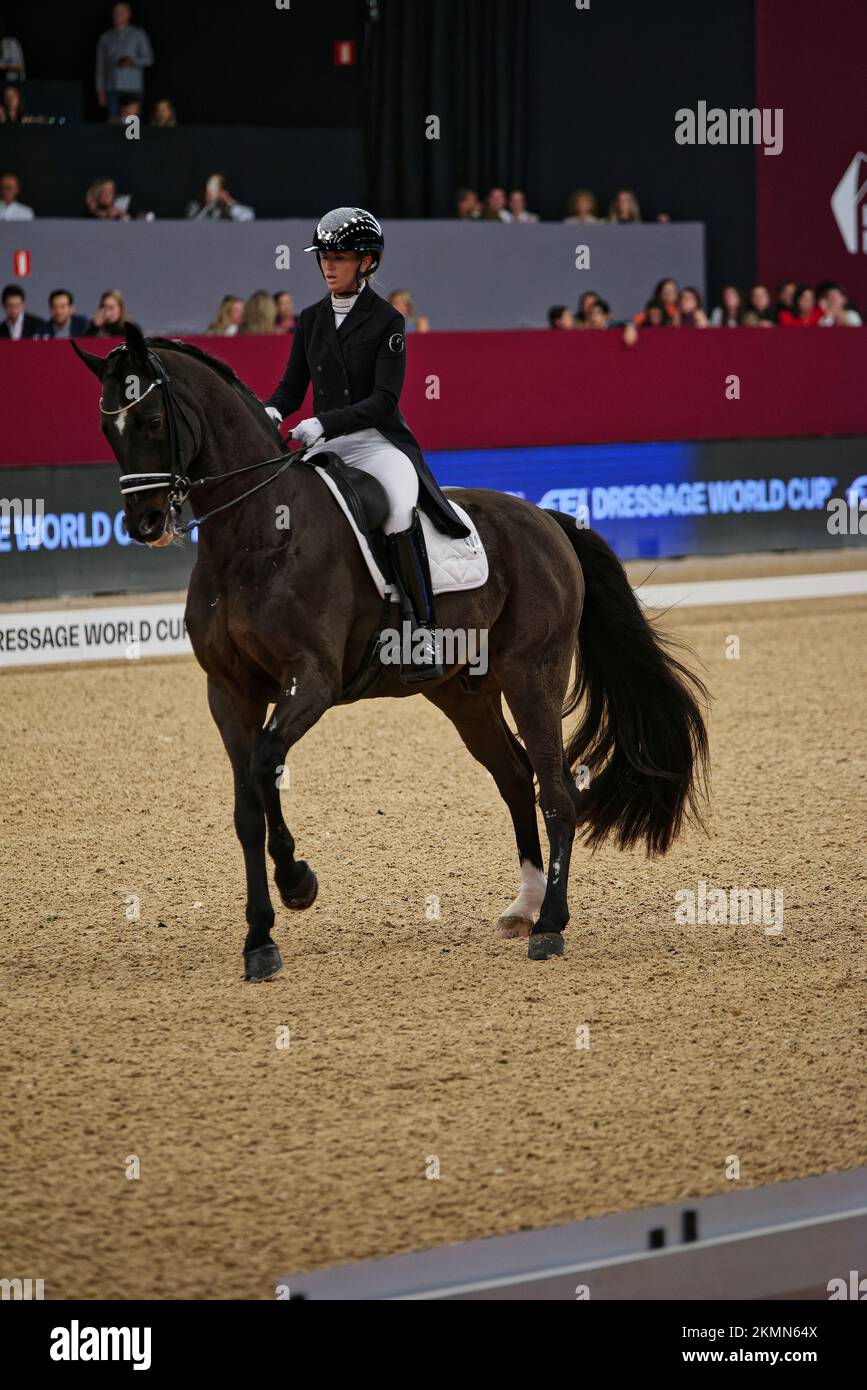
{"x": 153, "y": 424}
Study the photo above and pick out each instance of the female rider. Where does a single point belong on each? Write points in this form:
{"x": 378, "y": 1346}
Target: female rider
{"x": 350, "y": 345}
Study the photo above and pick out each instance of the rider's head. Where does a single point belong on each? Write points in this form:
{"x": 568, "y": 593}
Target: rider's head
{"x": 349, "y": 244}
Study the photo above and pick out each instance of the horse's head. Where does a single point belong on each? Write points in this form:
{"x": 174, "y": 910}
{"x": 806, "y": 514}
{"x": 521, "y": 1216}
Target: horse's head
{"x": 152, "y": 440}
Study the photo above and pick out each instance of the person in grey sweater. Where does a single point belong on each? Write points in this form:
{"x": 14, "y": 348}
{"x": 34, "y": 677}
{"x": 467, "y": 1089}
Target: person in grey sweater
{"x": 122, "y": 54}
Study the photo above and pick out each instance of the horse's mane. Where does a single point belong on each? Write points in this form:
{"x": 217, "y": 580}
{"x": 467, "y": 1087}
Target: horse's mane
{"x": 225, "y": 371}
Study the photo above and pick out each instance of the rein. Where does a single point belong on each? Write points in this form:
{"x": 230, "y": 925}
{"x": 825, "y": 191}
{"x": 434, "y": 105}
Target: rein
{"x": 181, "y": 486}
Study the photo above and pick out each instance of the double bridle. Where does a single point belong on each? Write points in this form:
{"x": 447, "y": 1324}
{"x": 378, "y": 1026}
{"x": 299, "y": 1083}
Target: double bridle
{"x": 179, "y": 485}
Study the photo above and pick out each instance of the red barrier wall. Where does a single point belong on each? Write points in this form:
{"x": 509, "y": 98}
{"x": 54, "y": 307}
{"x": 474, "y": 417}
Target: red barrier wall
{"x": 510, "y": 389}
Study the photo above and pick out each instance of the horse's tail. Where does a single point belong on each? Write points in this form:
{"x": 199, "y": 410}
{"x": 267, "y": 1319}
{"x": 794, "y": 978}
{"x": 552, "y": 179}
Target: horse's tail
{"x": 642, "y": 735}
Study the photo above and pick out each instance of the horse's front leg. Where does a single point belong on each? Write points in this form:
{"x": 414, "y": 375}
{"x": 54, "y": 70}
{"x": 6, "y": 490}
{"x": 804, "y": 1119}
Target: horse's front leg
{"x": 304, "y": 696}
{"x": 240, "y": 723}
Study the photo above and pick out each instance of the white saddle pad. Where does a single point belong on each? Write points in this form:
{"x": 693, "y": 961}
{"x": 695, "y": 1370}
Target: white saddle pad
{"x": 456, "y": 562}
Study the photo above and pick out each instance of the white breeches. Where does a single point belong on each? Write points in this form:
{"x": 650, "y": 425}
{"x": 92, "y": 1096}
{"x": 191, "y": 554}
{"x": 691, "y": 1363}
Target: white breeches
{"x": 370, "y": 451}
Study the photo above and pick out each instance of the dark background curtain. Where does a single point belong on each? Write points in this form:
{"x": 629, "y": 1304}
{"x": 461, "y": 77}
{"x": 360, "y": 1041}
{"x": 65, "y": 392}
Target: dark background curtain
{"x": 464, "y": 61}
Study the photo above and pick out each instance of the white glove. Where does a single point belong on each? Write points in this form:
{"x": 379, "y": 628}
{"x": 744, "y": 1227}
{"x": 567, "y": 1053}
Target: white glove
{"x": 308, "y": 431}
{"x": 274, "y": 413}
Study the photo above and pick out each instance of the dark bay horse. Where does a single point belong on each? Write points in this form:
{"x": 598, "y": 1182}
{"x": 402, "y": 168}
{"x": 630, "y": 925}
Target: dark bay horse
{"x": 284, "y": 616}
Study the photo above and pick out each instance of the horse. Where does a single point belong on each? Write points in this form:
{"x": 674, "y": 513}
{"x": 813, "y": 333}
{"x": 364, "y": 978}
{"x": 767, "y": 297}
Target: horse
{"x": 283, "y": 615}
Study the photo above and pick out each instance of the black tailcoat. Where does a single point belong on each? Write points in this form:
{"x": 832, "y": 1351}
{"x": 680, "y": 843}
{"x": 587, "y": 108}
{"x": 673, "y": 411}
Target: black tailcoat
{"x": 357, "y": 374}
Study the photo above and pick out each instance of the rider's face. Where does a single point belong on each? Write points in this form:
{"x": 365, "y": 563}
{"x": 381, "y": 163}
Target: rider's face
{"x": 340, "y": 269}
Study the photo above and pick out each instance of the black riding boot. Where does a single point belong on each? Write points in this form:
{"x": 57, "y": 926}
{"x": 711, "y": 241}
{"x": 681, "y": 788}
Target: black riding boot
{"x": 411, "y": 572}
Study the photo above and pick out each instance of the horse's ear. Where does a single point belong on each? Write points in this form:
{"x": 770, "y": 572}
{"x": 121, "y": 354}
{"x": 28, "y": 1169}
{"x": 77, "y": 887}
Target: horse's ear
{"x": 134, "y": 339}
{"x": 90, "y": 359}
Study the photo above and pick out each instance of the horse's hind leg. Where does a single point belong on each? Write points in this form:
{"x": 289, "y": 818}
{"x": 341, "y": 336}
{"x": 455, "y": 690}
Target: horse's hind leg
{"x": 239, "y": 723}
{"x": 479, "y": 720}
{"x": 537, "y": 706}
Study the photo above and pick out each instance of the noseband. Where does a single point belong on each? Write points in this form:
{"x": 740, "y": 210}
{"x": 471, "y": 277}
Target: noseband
{"x": 179, "y": 485}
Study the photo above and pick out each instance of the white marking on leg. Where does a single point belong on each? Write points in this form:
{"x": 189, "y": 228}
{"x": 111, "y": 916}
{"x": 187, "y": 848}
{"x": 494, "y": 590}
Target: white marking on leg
{"x": 531, "y": 894}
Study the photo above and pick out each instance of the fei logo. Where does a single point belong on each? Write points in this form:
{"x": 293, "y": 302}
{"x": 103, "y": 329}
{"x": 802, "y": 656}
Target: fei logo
{"x": 848, "y": 197}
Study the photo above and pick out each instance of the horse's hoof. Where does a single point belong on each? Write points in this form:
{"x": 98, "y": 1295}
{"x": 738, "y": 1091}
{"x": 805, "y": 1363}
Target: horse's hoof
{"x": 512, "y": 927}
{"x": 301, "y": 894}
{"x": 544, "y": 945}
{"x": 263, "y": 963}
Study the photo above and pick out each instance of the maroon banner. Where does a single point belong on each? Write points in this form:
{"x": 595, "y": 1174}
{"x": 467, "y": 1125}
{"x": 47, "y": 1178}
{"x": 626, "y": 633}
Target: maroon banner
{"x": 496, "y": 390}
{"x": 812, "y": 198}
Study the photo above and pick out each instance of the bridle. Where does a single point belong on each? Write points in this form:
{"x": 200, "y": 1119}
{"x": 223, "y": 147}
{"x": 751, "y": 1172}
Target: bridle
{"x": 179, "y": 485}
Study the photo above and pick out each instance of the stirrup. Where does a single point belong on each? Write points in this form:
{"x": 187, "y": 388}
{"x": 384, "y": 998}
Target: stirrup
{"x": 408, "y": 555}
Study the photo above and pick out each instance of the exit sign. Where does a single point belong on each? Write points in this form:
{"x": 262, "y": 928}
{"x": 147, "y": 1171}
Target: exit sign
{"x": 344, "y": 53}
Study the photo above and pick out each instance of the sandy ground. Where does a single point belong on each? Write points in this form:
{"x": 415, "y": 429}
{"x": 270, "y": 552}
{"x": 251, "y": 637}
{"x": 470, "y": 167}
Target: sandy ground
{"x": 410, "y": 1040}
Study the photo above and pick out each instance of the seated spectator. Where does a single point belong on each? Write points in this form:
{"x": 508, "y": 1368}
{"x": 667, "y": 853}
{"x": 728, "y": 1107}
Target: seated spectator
{"x": 130, "y": 106}
{"x": 785, "y": 293}
{"x": 560, "y": 317}
{"x": 10, "y": 208}
{"x": 599, "y": 315}
{"x": 653, "y": 315}
{"x": 689, "y": 311}
{"x": 109, "y": 318}
{"x": 729, "y": 312}
{"x": 582, "y": 208}
{"x": 259, "y": 313}
{"x": 228, "y": 317}
{"x": 17, "y": 323}
{"x": 495, "y": 209}
{"x": 837, "y": 312}
{"x": 665, "y": 293}
{"x": 12, "y": 107}
{"x": 624, "y": 207}
{"x": 63, "y": 322}
{"x": 286, "y": 316}
{"x": 585, "y": 304}
{"x": 11, "y": 57}
{"x": 163, "y": 113}
{"x": 805, "y": 313}
{"x": 518, "y": 207}
{"x": 102, "y": 200}
{"x": 467, "y": 205}
{"x": 216, "y": 202}
{"x": 402, "y": 301}
{"x": 759, "y": 312}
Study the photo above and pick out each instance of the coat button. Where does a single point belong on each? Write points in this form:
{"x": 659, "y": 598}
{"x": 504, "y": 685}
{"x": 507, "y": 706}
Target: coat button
{"x": 346, "y": 393}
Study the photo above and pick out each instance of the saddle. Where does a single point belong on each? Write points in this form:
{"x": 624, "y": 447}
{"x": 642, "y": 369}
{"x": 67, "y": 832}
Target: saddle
{"x": 366, "y": 499}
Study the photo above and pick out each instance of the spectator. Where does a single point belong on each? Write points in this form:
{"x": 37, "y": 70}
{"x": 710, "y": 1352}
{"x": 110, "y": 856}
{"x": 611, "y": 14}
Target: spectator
{"x": 17, "y": 323}
{"x": 665, "y": 293}
{"x": 122, "y": 53}
{"x": 10, "y": 208}
{"x": 582, "y": 208}
{"x": 624, "y": 207}
{"x": 130, "y": 106}
{"x": 259, "y": 313}
{"x": 759, "y": 313}
{"x": 216, "y": 203}
{"x": 518, "y": 207}
{"x": 12, "y": 107}
{"x": 785, "y": 297}
{"x": 805, "y": 313}
{"x": 286, "y": 317}
{"x": 62, "y": 321}
{"x": 101, "y": 200}
{"x": 402, "y": 301}
{"x": 11, "y": 57}
{"x": 837, "y": 312}
{"x": 689, "y": 311}
{"x": 560, "y": 317}
{"x": 467, "y": 205}
{"x": 599, "y": 315}
{"x": 109, "y": 318}
{"x": 229, "y": 315}
{"x": 653, "y": 315}
{"x": 585, "y": 304}
{"x": 729, "y": 313}
{"x": 495, "y": 209}
{"x": 163, "y": 113}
